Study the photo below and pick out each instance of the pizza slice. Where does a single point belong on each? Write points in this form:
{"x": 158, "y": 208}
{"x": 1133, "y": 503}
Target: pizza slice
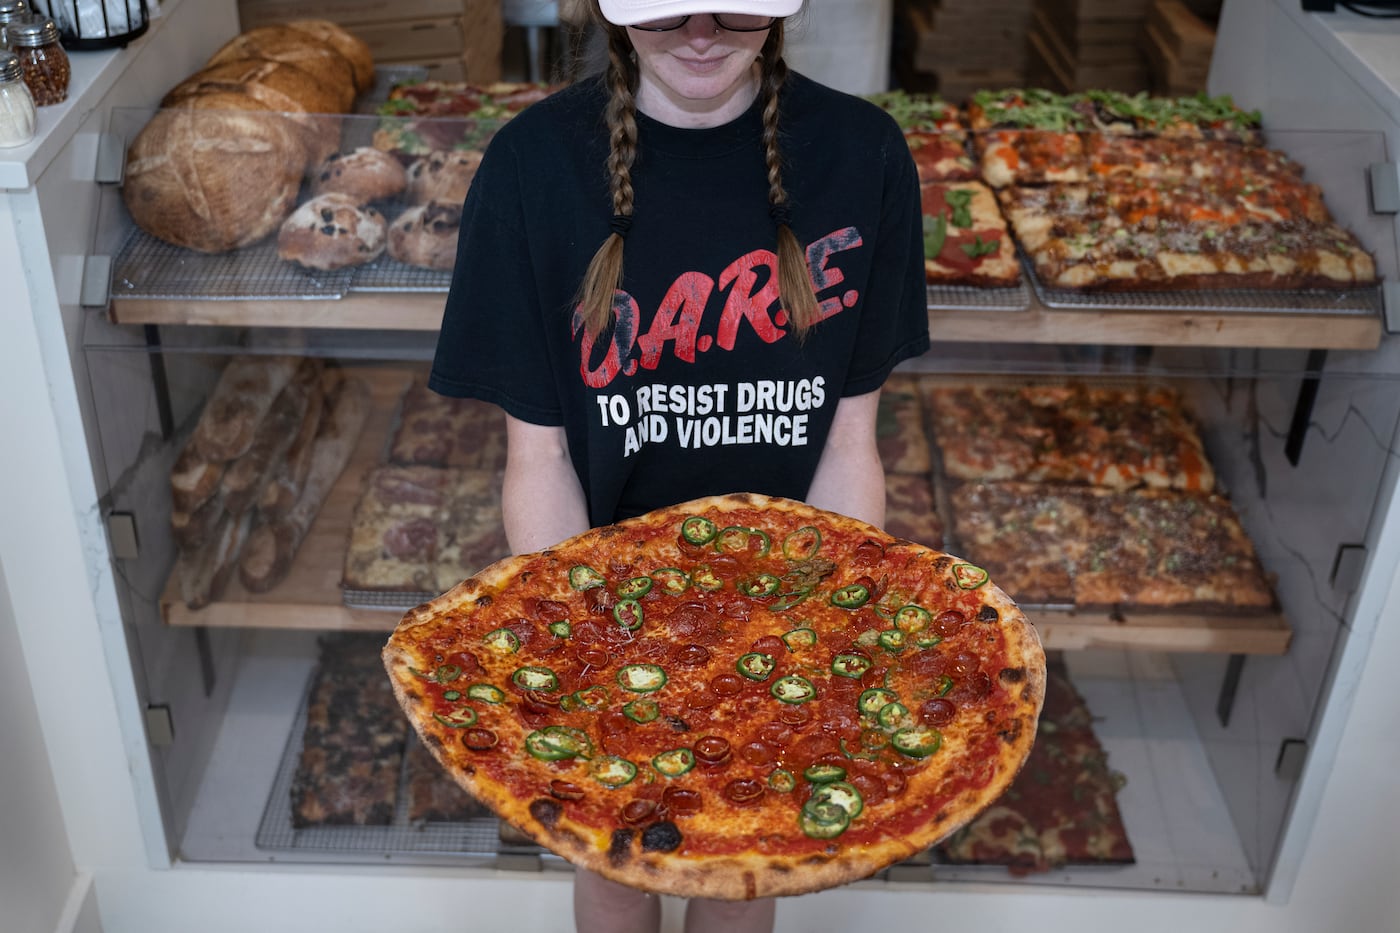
{"x": 899, "y": 427}
{"x": 921, "y": 113}
{"x": 966, "y": 241}
{"x": 940, "y": 157}
{"x": 434, "y": 430}
{"x": 398, "y": 529}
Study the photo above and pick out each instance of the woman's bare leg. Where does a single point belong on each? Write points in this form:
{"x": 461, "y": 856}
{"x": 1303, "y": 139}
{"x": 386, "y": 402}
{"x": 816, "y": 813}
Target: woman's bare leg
{"x": 708, "y": 916}
{"x": 603, "y": 906}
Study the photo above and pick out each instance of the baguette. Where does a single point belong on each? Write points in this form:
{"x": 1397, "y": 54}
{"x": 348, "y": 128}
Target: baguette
{"x": 281, "y": 492}
{"x": 205, "y": 573}
{"x": 193, "y": 480}
{"x": 245, "y": 477}
{"x": 246, "y": 390}
{"x": 268, "y": 556}
{"x": 191, "y": 529}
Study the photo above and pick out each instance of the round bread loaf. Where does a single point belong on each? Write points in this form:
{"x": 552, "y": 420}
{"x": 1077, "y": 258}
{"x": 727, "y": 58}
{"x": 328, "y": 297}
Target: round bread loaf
{"x": 426, "y": 235}
{"x": 331, "y": 231}
{"x": 442, "y": 175}
{"x": 267, "y": 85}
{"x": 190, "y": 174}
{"x": 295, "y": 47}
{"x": 355, "y": 49}
{"x": 367, "y": 174}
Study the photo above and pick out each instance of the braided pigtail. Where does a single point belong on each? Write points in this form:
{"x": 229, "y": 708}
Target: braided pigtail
{"x": 794, "y": 283}
{"x": 604, "y": 275}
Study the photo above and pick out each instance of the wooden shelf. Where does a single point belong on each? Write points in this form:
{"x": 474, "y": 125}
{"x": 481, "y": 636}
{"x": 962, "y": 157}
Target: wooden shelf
{"x": 1038, "y": 325}
{"x": 310, "y": 597}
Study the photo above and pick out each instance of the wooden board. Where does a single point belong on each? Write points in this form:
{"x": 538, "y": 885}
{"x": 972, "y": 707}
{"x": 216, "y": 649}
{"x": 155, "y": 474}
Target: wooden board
{"x": 423, "y": 312}
{"x": 309, "y": 598}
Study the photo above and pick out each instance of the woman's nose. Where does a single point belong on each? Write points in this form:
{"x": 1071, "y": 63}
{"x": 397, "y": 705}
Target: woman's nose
{"x": 701, "y": 26}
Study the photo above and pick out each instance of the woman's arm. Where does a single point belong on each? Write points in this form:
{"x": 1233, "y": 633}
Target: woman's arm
{"x": 541, "y": 501}
{"x": 850, "y": 478}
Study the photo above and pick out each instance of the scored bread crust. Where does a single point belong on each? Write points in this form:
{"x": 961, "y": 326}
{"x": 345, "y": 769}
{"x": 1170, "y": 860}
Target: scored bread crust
{"x": 729, "y": 877}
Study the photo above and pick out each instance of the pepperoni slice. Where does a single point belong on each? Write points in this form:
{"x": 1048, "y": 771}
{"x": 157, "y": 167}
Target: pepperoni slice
{"x": 775, "y": 733}
{"x": 680, "y": 801}
{"x": 938, "y": 712}
{"x": 770, "y": 645}
{"x": 796, "y": 715}
{"x": 871, "y": 788}
{"x": 758, "y": 753}
{"x": 868, "y": 552}
{"x": 964, "y": 663}
{"x": 479, "y": 740}
{"x": 549, "y": 610}
{"x": 949, "y": 622}
{"x": 638, "y": 811}
{"x": 744, "y": 791}
{"x": 593, "y": 657}
{"x": 712, "y": 749}
{"x": 601, "y": 600}
{"x": 704, "y": 698}
{"x": 976, "y": 687}
{"x": 565, "y": 790}
{"x": 690, "y": 655}
{"x": 727, "y": 685}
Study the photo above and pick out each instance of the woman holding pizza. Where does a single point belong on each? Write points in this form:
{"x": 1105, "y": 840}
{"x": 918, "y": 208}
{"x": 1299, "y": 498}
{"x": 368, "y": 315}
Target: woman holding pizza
{"x": 688, "y": 276}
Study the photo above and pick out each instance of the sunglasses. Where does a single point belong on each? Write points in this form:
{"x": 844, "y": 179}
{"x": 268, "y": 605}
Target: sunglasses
{"x": 733, "y": 22}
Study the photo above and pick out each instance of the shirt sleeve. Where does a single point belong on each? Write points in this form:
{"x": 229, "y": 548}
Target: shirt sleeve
{"x": 492, "y": 343}
{"x": 894, "y": 319}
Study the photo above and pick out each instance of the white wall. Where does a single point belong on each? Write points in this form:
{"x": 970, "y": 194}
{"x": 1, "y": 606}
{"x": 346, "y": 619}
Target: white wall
{"x": 36, "y": 868}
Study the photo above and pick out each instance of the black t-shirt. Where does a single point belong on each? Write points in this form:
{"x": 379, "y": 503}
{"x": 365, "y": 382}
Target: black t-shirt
{"x": 699, "y": 388}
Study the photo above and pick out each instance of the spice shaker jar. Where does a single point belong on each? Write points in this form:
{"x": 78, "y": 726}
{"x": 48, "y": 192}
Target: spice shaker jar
{"x": 45, "y": 64}
{"x": 11, "y": 11}
{"x": 17, "y": 116}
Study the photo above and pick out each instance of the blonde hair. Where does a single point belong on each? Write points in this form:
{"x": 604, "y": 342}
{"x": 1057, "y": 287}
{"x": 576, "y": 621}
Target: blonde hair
{"x": 604, "y": 276}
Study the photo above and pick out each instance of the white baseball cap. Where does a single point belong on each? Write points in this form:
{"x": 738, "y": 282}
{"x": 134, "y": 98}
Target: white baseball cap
{"x": 631, "y": 12}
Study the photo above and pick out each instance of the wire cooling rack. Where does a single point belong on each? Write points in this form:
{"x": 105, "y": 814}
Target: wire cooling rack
{"x": 967, "y": 297}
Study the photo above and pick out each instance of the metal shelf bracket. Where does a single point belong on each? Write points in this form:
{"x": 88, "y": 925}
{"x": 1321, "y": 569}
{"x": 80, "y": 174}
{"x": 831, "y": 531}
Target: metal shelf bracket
{"x": 1385, "y": 187}
{"x": 111, "y": 159}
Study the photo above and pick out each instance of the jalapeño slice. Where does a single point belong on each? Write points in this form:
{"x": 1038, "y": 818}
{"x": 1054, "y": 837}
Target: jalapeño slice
{"x": 675, "y": 762}
{"x": 706, "y": 579}
{"x": 851, "y": 597}
{"x": 591, "y": 698}
{"x": 802, "y": 543}
{"x": 672, "y": 579}
{"x": 698, "y": 530}
{"x": 912, "y": 619}
{"x": 894, "y": 716}
{"x": 451, "y": 694}
{"x": 502, "y": 640}
{"x": 611, "y": 771}
{"x": 916, "y": 741}
{"x": 561, "y": 629}
{"x": 823, "y": 819}
{"x": 787, "y": 601}
{"x": 760, "y": 585}
{"x": 447, "y": 673}
{"x": 793, "y": 689}
{"x": 841, "y": 793}
{"x": 892, "y": 640}
{"x": 969, "y": 577}
{"x": 628, "y": 614}
{"x": 737, "y": 539}
{"x": 641, "y": 678}
{"x": 486, "y": 693}
{"x": 755, "y": 665}
{"x": 556, "y": 743}
{"x": 782, "y": 781}
{"x": 634, "y": 588}
{"x": 945, "y": 683}
{"x": 823, "y": 773}
{"x": 850, "y": 665}
{"x": 800, "y": 638}
{"x": 642, "y": 709}
{"x": 927, "y": 639}
{"x": 584, "y": 577}
{"x": 873, "y": 700}
{"x": 535, "y": 678}
{"x": 459, "y": 718}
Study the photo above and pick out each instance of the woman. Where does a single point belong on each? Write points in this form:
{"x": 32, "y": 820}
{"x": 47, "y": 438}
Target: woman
{"x": 690, "y": 276}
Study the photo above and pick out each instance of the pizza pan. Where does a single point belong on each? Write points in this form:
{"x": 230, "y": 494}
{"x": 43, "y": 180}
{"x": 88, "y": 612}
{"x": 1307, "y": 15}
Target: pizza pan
{"x": 967, "y": 297}
{"x": 1363, "y": 302}
{"x": 477, "y": 837}
{"x": 383, "y": 600}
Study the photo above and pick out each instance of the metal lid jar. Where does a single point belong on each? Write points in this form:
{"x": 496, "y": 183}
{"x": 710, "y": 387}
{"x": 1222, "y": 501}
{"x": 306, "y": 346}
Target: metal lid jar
{"x": 11, "y": 11}
{"x": 17, "y": 117}
{"x": 45, "y": 64}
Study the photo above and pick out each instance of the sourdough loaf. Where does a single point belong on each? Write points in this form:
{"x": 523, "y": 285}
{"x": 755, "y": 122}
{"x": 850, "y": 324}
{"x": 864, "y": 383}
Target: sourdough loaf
{"x": 355, "y": 50}
{"x": 295, "y": 47}
{"x": 191, "y": 174}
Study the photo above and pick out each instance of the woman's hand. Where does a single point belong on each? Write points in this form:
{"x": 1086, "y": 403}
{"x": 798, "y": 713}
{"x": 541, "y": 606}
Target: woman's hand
{"x": 541, "y": 501}
{"x": 850, "y": 478}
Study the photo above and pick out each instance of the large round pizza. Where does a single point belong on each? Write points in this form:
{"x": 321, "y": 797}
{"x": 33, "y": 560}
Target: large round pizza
{"x": 734, "y": 697}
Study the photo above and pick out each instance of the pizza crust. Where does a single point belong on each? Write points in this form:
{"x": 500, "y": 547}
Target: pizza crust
{"x": 646, "y": 856}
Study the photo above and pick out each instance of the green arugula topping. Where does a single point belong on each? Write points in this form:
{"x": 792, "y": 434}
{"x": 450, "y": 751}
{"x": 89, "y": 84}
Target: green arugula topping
{"x": 935, "y": 233}
{"x": 961, "y": 203}
{"x": 979, "y": 247}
